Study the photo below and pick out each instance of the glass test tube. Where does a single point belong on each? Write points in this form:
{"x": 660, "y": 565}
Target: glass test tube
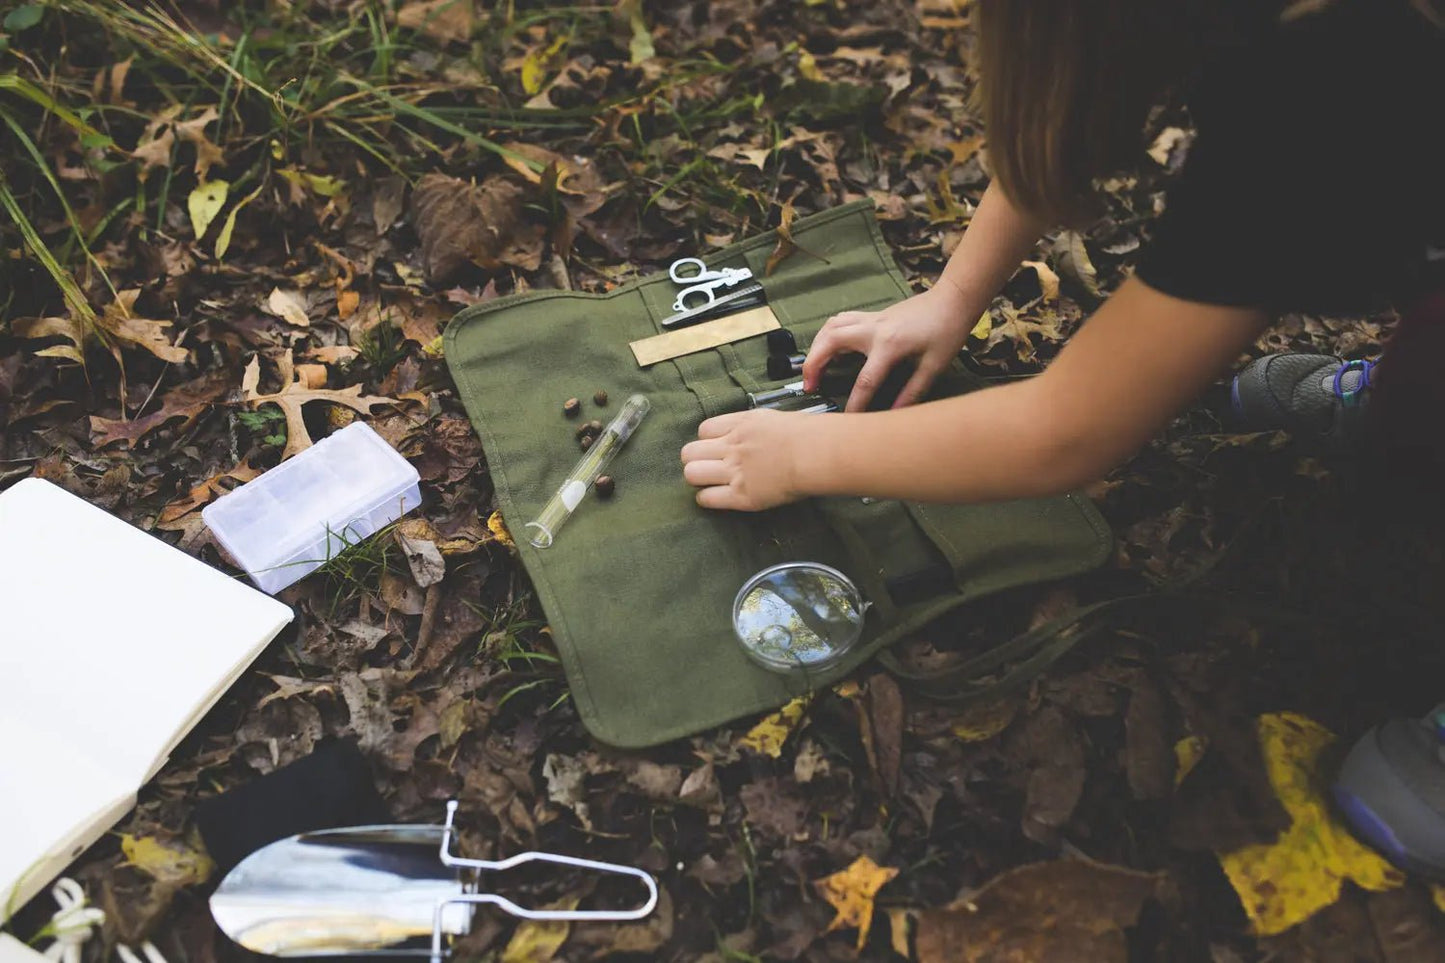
{"x": 561, "y": 505}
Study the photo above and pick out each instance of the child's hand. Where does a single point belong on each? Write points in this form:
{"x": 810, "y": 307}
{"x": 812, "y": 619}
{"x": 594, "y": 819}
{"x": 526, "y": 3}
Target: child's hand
{"x": 930, "y": 327}
{"x": 744, "y": 460}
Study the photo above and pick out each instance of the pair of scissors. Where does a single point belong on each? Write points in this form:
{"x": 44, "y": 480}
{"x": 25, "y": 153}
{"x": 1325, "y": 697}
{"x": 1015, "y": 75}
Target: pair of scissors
{"x": 702, "y": 282}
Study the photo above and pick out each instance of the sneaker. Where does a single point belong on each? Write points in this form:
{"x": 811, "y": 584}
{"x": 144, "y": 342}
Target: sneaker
{"x": 1312, "y": 396}
{"x": 1391, "y": 791}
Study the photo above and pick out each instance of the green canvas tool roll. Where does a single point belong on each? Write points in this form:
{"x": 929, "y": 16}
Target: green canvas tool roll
{"x": 639, "y": 589}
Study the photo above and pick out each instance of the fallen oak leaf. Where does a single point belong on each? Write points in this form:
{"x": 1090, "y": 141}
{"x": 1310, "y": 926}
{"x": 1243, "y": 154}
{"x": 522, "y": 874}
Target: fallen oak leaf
{"x": 1072, "y": 909}
{"x": 293, "y": 396}
{"x": 193, "y": 131}
{"x": 851, "y": 891}
{"x": 117, "y": 321}
{"x": 188, "y": 402}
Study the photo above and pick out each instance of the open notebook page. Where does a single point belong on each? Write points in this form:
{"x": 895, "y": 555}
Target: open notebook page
{"x": 112, "y": 645}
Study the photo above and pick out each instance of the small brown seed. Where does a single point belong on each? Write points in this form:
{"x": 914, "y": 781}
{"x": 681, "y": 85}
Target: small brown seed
{"x": 571, "y": 407}
{"x": 586, "y": 441}
{"x": 605, "y": 486}
{"x": 583, "y": 430}
{"x": 594, "y": 426}
{"x": 600, "y": 399}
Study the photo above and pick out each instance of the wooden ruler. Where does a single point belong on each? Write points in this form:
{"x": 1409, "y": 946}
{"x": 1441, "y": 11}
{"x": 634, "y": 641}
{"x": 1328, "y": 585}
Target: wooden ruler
{"x": 709, "y": 334}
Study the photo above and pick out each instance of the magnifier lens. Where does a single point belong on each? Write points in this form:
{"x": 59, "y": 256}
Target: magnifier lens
{"x": 800, "y": 616}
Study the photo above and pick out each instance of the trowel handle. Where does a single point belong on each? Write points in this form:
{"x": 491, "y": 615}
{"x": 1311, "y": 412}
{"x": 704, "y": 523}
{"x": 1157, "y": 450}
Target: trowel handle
{"x": 485, "y": 865}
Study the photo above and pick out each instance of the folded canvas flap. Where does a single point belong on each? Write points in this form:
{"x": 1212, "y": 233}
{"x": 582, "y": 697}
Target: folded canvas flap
{"x": 114, "y": 644}
{"x": 639, "y": 589}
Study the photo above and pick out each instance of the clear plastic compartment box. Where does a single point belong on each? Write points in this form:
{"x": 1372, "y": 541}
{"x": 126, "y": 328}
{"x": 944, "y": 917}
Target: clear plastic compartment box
{"x": 294, "y": 518}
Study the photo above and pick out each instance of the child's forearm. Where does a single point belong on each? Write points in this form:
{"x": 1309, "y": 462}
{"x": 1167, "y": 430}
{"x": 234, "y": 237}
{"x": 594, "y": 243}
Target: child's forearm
{"x": 998, "y": 237}
{"x": 989, "y": 445}
{"x": 1142, "y": 357}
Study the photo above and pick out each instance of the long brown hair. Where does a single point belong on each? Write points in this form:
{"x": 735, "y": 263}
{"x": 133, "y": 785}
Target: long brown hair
{"x": 1066, "y": 85}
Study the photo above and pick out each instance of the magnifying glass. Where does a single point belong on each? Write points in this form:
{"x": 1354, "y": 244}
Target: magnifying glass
{"x": 798, "y": 617}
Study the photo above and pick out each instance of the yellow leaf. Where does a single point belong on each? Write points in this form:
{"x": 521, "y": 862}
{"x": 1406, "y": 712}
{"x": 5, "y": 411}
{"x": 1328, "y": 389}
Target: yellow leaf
{"x": 1285, "y": 882}
{"x": 984, "y": 326}
{"x": 498, "y": 529}
{"x": 205, "y": 203}
{"x": 537, "y": 941}
{"x": 1437, "y": 894}
{"x": 167, "y": 862}
{"x": 290, "y": 306}
{"x": 640, "y": 48}
{"x": 534, "y": 66}
{"x": 321, "y": 184}
{"x": 1187, "y": 753}
{"x": 767, "y": 737}
{"x": 808, "y": 67}
{"x": 223, "y": 240}
{"x": 851, "y": 893}
{"x": 984, "y": 721}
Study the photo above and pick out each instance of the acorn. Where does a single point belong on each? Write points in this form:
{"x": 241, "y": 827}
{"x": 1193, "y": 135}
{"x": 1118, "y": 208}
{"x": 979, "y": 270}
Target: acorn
{"x": 600, "y": 399}
{"x": 586, "y": 441}
{"x": 605, "y": 486}
{"x": 571, "y": 407}
{"x": 594, "y": 426}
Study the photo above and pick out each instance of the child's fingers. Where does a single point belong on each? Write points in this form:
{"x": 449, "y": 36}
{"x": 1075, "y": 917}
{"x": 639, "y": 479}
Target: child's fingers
{"x": 719, "y": 426}
{"x": 917, "y": 385}
{"x": 875, "y": 369}
{"x": 707, "y": 449}
{"x": 832, "y": 341}
{"x": 718, "y": 496}
{"x": 706, "y": 473}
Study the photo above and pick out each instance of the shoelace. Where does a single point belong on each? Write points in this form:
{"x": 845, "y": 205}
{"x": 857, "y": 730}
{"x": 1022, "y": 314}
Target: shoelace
{"x": 1352, "y": 397}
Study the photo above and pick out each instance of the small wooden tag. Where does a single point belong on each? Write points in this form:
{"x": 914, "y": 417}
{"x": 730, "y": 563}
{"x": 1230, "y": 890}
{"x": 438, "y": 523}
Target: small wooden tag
{"x": 709, "y": 334}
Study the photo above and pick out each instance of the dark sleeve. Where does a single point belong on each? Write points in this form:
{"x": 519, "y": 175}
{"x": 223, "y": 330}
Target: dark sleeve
{"x": 1305, "y": 189}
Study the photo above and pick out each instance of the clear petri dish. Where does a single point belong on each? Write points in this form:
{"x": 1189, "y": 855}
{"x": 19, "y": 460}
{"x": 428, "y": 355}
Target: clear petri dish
{"x": 798, "y": 617}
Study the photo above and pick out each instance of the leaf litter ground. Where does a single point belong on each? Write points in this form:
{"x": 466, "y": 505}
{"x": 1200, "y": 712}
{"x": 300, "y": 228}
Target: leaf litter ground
{"x": 279, "y": 223}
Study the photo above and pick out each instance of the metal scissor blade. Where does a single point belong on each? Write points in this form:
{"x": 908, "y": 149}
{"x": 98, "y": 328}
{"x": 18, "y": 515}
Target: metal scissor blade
{"x": 364, "y": 889}
{"x": 717, "y": 306}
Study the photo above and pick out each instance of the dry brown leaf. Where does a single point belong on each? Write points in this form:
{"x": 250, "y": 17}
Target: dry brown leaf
{"x": 1048, "y": 280}
{"x": 187, "y": 401}
{"x": 293, "y": 395}
{"x": 202, "y": 494}
{"x": 117, "y": 321}
{"x": 388, "y": 203}
{"x": 157, "y": 142}
{"x": 461, "y": 223}
{"x": 193, "y": 131}
{"x": 1059, "y": 912}
{"x": 786, "y": 245}
{"x": 449, "y": 21}
{"x": 289, "y": 306}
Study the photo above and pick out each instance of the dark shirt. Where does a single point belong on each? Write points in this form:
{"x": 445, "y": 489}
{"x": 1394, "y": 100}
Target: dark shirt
{"x": 1317, "y": 180}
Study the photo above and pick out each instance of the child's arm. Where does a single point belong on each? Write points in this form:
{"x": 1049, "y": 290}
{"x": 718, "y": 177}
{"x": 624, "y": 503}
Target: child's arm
{"x": 1141, "y": 358}
{"x": 930, "y": 327}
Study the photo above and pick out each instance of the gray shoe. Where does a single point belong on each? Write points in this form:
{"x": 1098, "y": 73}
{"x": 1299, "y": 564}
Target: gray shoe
{"x": 1312, "y": 396}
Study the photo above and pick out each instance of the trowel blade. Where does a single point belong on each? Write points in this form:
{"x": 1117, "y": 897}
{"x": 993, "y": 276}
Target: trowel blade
{"x": 362, "y": 889}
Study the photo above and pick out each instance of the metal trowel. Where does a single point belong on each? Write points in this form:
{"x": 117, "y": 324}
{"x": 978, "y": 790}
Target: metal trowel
{"x": 377, "y": 890}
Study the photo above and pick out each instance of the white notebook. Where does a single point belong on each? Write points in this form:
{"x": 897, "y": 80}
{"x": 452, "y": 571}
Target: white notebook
{"x": 113, "y": 645}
